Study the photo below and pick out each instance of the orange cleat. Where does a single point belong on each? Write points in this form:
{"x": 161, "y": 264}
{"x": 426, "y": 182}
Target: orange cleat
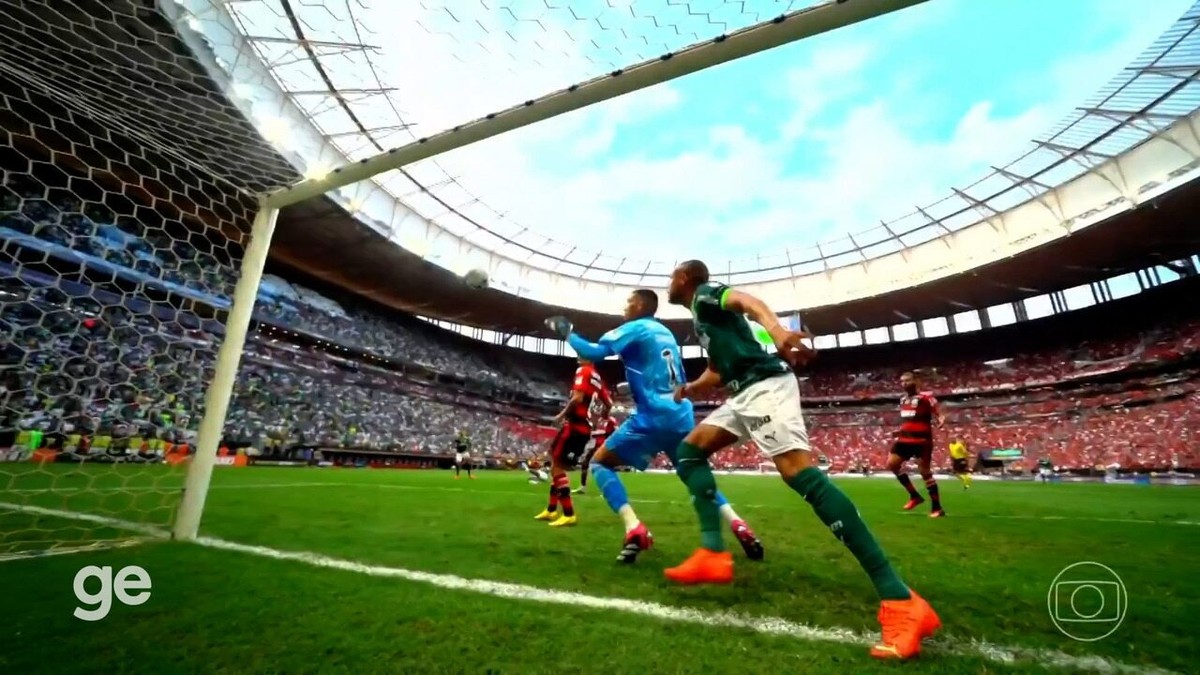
{"x": 703, "y": 567}
{"x": 905, "y": 623}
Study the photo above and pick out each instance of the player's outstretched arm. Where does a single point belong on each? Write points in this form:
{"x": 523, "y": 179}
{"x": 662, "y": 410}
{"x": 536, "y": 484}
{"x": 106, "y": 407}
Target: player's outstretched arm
{"x": 789, "y": 343}
{"x": 744, "y": 303}
{"x": 591, "y": 351}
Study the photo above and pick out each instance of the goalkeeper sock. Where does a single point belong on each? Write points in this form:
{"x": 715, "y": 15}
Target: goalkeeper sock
{"x": 611, "y": 487}
{"x": 697, "y": 475}
{"x": 836, "y": 510}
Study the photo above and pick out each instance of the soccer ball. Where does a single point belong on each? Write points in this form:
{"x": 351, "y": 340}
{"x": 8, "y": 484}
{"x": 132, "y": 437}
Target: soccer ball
{"x": 476, "y": 278}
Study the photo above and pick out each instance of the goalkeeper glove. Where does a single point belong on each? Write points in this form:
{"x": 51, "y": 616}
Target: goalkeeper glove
{"x": 560, "y": 326}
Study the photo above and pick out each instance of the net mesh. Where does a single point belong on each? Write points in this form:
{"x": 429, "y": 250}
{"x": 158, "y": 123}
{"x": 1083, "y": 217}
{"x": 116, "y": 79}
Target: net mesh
{"x": 125, "y": 196}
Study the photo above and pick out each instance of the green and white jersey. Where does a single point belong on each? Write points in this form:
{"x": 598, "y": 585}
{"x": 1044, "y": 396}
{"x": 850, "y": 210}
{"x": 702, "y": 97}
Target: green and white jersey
{"x": 734, "y": 349}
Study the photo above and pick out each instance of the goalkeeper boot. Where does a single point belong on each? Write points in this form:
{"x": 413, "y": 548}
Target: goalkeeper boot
{"x": 546, "y": 514}
{"x": 703, "y": 567}
{"x": 749, "y": 541}
{"x": 636, "y": 540}
{"x": 904, "y": 624}
{"x": 563, "y": 521}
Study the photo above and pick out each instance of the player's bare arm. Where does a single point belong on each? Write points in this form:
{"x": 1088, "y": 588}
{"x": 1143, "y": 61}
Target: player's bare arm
{"x": 789, "y": 343}
{"x": 708, "y": 381}
{"x": 938, "y": 416}
{"x": 575, "y": 400}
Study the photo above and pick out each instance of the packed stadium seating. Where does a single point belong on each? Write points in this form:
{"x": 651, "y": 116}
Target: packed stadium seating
{"x": 92, "y": 359}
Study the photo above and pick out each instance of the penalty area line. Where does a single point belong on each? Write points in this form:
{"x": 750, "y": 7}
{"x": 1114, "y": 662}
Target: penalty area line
{"x": 765, "y": 625}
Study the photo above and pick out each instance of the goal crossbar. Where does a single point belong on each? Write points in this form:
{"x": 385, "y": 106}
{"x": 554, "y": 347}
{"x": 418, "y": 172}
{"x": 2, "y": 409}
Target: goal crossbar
{"x": 759, "y": 37}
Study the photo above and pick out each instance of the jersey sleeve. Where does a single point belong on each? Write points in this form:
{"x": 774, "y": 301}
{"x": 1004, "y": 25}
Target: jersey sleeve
{"x": 587, "y": 380}
{"x": 617, "y": 339}
{"x": 712, "y": 293}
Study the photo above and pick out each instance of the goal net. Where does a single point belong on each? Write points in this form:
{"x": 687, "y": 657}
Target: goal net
{"x": 142, "y": 175}
{"x": 126, "y": 195}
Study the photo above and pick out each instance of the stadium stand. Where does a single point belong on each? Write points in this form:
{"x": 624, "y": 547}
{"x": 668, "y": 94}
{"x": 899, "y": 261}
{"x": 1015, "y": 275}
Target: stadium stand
{"x": 93, "y": 367}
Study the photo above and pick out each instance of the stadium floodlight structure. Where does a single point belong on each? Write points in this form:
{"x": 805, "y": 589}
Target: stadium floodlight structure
{"x": 780, "y": 30}
{"x": 139, "y": 204}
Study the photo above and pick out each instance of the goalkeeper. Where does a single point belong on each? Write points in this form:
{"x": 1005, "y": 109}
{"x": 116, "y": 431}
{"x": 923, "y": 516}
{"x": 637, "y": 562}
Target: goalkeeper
{"x": 653, "y": 369}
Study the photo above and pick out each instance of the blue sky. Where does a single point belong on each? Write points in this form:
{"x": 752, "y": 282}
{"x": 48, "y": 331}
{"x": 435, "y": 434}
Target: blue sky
{"x": 796, "y": 145}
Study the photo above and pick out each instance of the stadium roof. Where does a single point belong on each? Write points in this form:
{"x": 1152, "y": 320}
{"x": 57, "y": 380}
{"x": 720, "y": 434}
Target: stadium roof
{"x": 1162, "y": 83}
{"x": 1150, "y": 225}
{"x": 336, "y": 104}
{"x": 356, "y": 257}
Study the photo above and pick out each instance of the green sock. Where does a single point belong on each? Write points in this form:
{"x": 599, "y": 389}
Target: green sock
{"x": 836, "y": 510}
{"x": 697, "y": 475}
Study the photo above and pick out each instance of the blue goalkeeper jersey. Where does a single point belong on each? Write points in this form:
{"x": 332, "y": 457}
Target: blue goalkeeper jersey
{"x": 654, "y": 369}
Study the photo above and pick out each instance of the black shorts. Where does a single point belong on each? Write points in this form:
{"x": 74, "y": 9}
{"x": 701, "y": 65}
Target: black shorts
{"x": 959, "y": 464}
{"x": 569, "y": 446}
{"x": 911, "y": 450}
{"x": 594, "y": 444}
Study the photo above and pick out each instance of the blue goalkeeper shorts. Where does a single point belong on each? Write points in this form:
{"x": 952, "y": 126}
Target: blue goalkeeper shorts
{"x": 636, "y": 445}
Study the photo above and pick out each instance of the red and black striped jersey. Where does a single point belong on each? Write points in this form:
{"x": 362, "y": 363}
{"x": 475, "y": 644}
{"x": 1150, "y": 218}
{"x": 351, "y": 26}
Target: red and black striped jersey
{"x": 916, "y": 417}
{"x": 590, "y": 387}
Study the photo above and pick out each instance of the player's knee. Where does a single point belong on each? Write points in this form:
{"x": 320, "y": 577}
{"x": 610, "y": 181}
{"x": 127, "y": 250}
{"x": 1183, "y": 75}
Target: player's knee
{"x": 791, "y": 463}
{"x": 707, "y": 436}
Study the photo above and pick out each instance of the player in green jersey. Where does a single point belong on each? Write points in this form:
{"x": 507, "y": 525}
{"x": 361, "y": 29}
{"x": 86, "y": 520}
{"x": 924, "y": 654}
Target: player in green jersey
{"x": 763, "y": 405}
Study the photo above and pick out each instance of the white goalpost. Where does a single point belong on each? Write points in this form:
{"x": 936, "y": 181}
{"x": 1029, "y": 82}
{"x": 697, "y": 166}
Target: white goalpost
{"x": 151, "y": 177}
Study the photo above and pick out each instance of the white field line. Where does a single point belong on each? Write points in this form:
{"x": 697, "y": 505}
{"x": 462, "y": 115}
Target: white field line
{"x": 666, "y": 613}
{"x": 115, "y": 523}
{"x": 71, "y": 550}
{"x": 445, "y": 488}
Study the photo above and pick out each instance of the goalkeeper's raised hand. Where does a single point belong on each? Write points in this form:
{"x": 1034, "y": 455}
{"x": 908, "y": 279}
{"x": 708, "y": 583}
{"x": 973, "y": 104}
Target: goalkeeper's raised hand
{"x": 560, "y": 326}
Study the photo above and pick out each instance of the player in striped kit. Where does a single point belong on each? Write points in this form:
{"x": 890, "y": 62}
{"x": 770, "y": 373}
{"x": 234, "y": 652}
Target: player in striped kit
{"x": 603, "y": 425}
{"x": 571, "y": 442}
{"x": 919, "y": 411}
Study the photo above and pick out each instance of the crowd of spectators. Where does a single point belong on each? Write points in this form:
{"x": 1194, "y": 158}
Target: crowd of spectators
{"x": 1163, "y": 342}
{"x": 97, "y": 358}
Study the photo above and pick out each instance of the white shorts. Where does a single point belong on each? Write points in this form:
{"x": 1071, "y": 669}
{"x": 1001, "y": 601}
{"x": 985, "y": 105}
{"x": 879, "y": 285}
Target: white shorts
{"x": 460, "y": 457}
{"x": 768, "y": 413}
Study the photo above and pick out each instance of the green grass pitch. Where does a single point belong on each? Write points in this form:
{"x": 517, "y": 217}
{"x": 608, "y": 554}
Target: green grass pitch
{"x": 987, "y": 568}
